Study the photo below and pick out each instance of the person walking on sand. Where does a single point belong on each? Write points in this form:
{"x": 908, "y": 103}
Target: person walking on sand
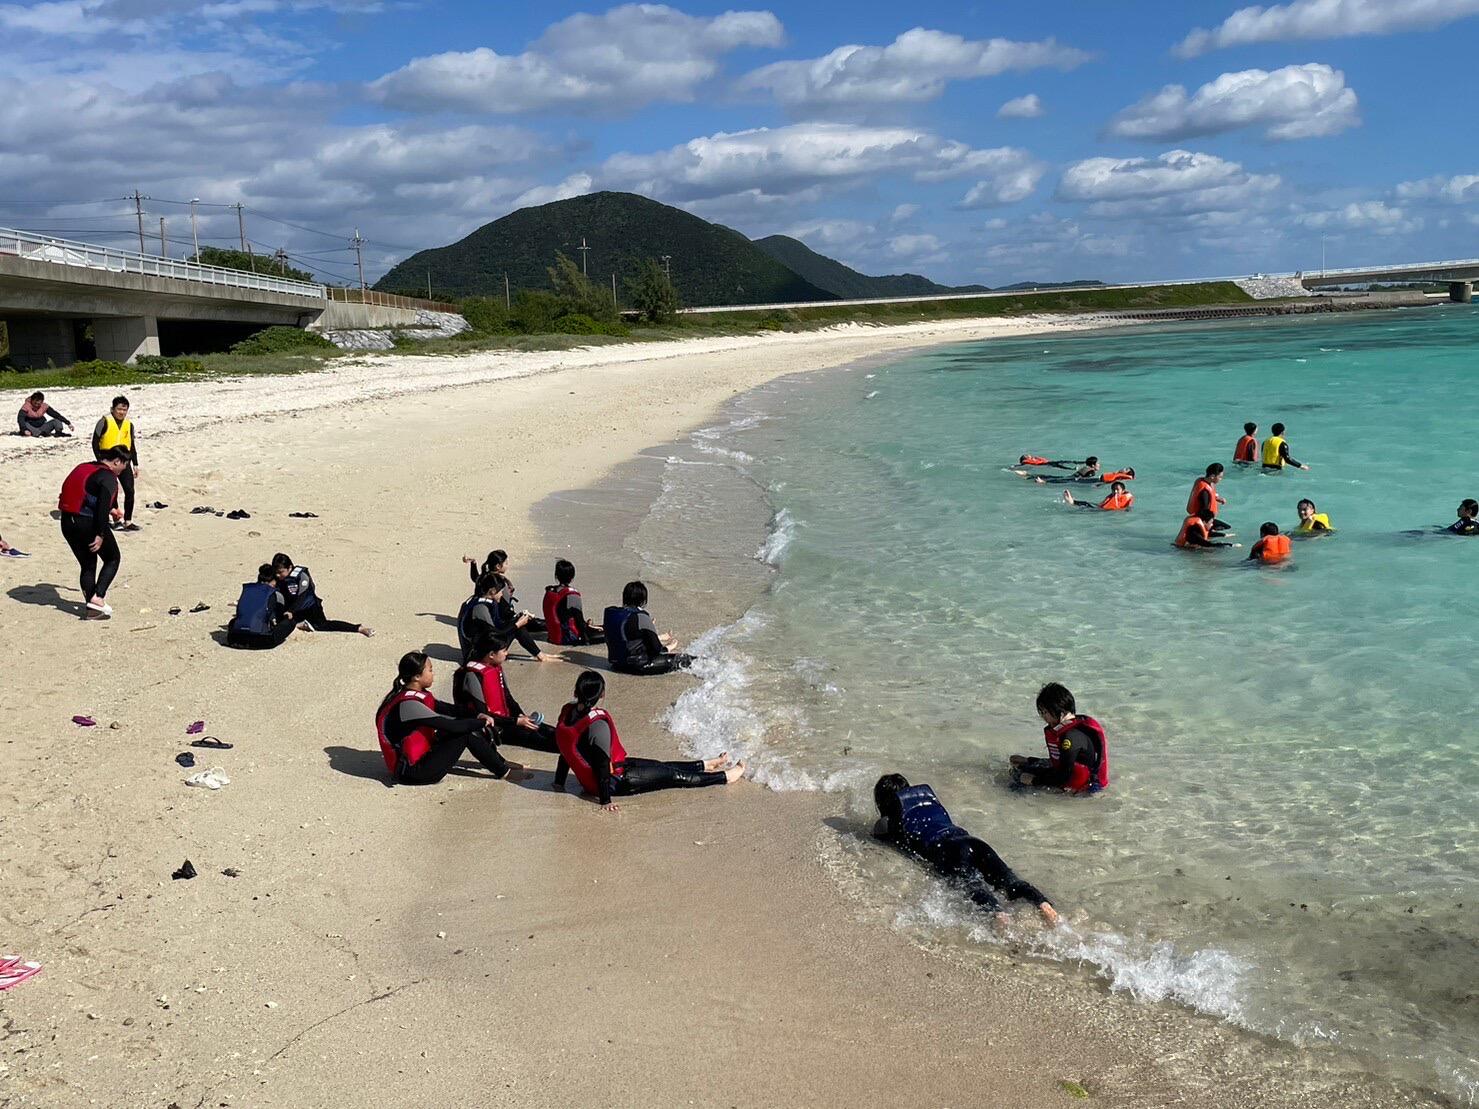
{"x": 39, "y": 420}
{"x": 116, "y": 430}
{"x": 304, "y": 607}
{"x": 86, "y": 506}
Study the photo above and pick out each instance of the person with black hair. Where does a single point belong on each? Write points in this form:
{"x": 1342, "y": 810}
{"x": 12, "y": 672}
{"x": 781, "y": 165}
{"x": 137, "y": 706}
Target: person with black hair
{"x": 1120, "y": 499}
{"x": 590, "y": 746}
{"x": 116, "y": 430}
{"x": 1311, "y": 520}
{"x": 1468, "y": 519}
{"x": 1271, "y": 546}
{"x": 260, "y": 623}
{"x": 480, "y": 688}
{"x": 564, "y": 611}
{"x": 479, "y": 616}
{"x": 497, "y": 563}
{"x": 304, "y": 607}
{"x": 1196, "y": 532}
{"x": 419, "y": 742}
{"x": 633, "y": 643}
{"x": 39, "y": 420}
{"x": 1275, "y": 453}
{"x": 916, "y": 823}
{"x": 1078, "y": 750}
{"x": 1246, "y": 451}
{"x": 1205, "y": 498}
{"x": 87, "y": 503}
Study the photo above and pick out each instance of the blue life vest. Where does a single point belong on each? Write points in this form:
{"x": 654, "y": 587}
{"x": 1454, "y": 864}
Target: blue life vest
{"x": 254, "y": 608}
{"x": 923, "y": 820}
{"x": 306, "y": 596}
{"x": 464, "y": 636}
{"x": 618, "y": 647}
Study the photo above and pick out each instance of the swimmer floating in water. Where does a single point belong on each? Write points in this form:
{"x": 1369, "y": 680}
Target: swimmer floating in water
{"x": 1120, "y": 499}
{"x": 1271, "y": 546}
{"x": 1059, "y": 463}
{"x": 915, "y": 822}
{"x": 1312, "y": 522}
{"x": 1468, "y": 519}
{"x": 1078, "y": 751}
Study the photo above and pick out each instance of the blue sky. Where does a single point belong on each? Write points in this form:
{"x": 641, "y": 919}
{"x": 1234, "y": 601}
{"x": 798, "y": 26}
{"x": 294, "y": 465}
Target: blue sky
{"x": 988, "y": 143}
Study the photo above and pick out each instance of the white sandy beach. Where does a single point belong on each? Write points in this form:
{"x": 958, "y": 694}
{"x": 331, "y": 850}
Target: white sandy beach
{"x": 472, "y": 943}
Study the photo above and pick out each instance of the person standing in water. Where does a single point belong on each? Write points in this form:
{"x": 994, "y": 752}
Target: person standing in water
{"x": 1468, "y": 519}
{"x": 1246, "y": 450}
{"x": 116, "y": 430}
{"x": 1276, "y": 452}
{"x": 916, "y": 823}
{"x": 86, "y": 506}
{"x": 1205, "y": 498}
{"x": 1078, "y": 751}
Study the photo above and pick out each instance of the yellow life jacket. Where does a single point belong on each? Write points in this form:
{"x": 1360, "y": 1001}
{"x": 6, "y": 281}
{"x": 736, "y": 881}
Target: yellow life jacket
{"x": 115, "y": 434}
{"x": 1307, "y": 526}
{"x": 1271, "y": 454}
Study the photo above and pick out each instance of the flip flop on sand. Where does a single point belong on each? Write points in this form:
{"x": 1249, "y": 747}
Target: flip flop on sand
{"x": 84, "y": 721}
{"x": 201, "y": 606}
{"x": 195, "y": 728}
{"x": 202, "y": 510}
{"x": 213, "y": 743}
{"x": 238, "y": 514}
{"x": 214, "y": 778}
{"x": 303, "y": 515}
{"x": 14, "y": 971}
{"x": 11, "y": 552}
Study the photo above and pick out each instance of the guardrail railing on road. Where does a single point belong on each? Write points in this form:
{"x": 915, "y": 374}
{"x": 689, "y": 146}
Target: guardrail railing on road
{"x": 389, "y": 300}
{"x": 65, "y": 252}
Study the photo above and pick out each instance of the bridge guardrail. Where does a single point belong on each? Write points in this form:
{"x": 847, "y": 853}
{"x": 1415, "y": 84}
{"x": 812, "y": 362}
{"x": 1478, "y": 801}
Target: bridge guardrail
{"x": 389, "y": 300}
{"x": 66, "y": 252}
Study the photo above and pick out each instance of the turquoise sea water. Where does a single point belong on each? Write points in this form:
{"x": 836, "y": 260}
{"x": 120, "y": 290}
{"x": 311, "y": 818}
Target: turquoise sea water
{"x": 1290, "y": 838}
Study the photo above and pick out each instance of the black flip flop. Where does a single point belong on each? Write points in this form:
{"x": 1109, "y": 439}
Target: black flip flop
{"x": 201, "y": 606}
{"x": 202, "y": 510}
{"x": 213, "y": 743}
{"x": 238, "y": 514}
{"x": 303, "y": 515}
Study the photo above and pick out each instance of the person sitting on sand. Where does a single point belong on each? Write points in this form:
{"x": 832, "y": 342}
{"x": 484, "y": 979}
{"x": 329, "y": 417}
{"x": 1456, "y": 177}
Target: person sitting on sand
{"x": 480, "y": 688}
{"x": 419, "y": 742}
{"x": 117, "y": 430}
{"x": 304, "y": 606}
{"x": 86, "y": 506}
{"x": 1276, "y": 454}
{"x": 633, "y": 643}
{"x": 1468, "y": 519}
{"x": 1196, "y": 533}
{"x": 1204, "y": 495}
{"x": 39, "y": 420}
{"x": 497, "y": 563}
{"x": 1078, "y": 751}
{"x": 1120, "y": 499}
{"x": 487, "y": 613}
{"x": 590, "y": 746}
{"x": 1311, "y": 522}
{"x": 1271, "y": 546}
{"x": 1246, "y": 450}
{"x": 260, "y": 623}
{"x": 916, "y": 823}
{"x": 564, "y": 612}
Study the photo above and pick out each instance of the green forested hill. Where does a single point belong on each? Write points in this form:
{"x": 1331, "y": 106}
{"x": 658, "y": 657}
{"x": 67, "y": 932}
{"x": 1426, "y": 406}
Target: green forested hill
{"x": 710, "y": 264}
{"x": 846, "y": 282}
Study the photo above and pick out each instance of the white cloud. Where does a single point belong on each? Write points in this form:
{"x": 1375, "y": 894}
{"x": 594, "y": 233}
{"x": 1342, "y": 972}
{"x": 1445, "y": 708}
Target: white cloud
{"x": 1175, "y": 183}
{"x": 1296, "y": 102}
{"x": 830, "y": 235}
{"x": 1318, "y": 19}
{"x": 915, "y": 67}
{"x": 1370, "y": 216}
{"x": 1044, "y": 247}
{"x": 577, "y": 184}
{"x": 1462, "y": 188}
{"x": 921, "y": 249}
{"x": 904, "y": 212}
{"x": 1023, "y": 107}
{"x": 1005, "y": 176}
{"x": 632, "y": 55}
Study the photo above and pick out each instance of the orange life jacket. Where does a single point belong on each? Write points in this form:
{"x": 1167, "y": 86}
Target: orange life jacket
{"x": 1246, "y": 450}
{"x": 1273, "y": 548}
{"x": 1117, "y": 502}
{"x": 1191, "y": 524}
{"x": 1193, "y": 505}
{"x": 1117, "y": 475}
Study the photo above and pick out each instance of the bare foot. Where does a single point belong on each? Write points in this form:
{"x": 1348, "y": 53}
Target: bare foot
{"x": 1039, "y": 481}
{"x": 1067, "y": 497}
{"x": 367, "y": 631}
{"x": 1049, "y": 913}
{"x": 717, "y": 761}
{"x": 734, "y": 773}
{"x": 546, "y": 656}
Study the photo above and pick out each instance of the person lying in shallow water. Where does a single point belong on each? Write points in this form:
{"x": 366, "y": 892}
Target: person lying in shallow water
{"x": 916, "y": 823}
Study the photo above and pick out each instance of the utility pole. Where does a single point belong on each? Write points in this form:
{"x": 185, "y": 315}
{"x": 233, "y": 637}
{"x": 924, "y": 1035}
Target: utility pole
{"x": 240, "y": 223}
{"x": 138, "y": 199}
{"x": 163, "y": 242}
{"x": 667, "y": 260}
{"x": 613, "y": 290}
{"x": 194, "y": 231}
{"x": 359, "y": 258}
{"x": 507, "y": 300}
{"x": 428, "y": 284}
{"x": 584, "y": 250}
{"x": 281, "y": 254}
{"x": 1322, "y": 255}
{"x": 251, "y": 258}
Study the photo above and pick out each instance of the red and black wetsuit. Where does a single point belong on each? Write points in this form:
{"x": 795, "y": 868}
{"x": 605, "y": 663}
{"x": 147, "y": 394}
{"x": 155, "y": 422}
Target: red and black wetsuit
{"x": 452, "y": 736}
{"x": 480, "y": 688}
{"x": 87, "y": 518}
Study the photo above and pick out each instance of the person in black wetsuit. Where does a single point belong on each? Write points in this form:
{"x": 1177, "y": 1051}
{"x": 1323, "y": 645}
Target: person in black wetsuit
{"x": 421, "y": 743}
{"x": 497, "y": 563}
{"x": 590, "y": 746}
{"x": 117, "y": 430}
{"x": 564, "y": 611}
{"x": 1078, "y": 756}
{"x": 1468, "y": 519}
{"x": 480, "y": 688}
{"x": 916, "y": 823}
{"x": 260, "y": 623}
{"x": 633, "y": 643}
{"x": 87, "y": 504}
{"x": 487, "y": 612}
{"x": 304, "y": 607}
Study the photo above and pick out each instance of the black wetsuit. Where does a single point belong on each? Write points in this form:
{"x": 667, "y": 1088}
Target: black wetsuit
{"x": 1207, "y": 501}
{"x": 81, "y": 528}
{"x": 1080, "y": 750}
{"x": 646, "y": 654}
{"x": 535, "y": 624}
{"x": 570, "y": 609}
{"x": 454, "y": 735}
{"x": 1285, "y": 459}
{"x": 481, "y": 617}
{"x": 304, "y": 605}
{"x": 1465, "y": 526}
{"x": 967, "y": 862}
{"x": 126, "y": 478}
{"x": 258, "y": 626}
{"x": 467, "y": 694}
{"x": 638, "y": 775}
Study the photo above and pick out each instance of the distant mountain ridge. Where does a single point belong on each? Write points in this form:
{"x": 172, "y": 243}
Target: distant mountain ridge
{"x": 846, "y": 282}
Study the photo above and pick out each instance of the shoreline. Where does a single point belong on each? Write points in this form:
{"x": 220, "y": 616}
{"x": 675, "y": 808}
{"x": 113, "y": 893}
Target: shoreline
{"x": 318, "y": 977}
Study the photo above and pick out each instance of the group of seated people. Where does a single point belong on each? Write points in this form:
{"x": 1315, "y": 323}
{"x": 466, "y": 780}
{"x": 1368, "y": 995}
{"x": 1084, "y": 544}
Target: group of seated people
{"x": 283, "y": 600}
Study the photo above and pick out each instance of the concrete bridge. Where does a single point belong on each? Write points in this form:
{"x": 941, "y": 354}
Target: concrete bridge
{"x": 62, "y": 301}
{"x": 1459, "y": 276}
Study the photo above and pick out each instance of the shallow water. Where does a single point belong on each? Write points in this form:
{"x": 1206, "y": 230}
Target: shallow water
{"x": 1289, "y": 840}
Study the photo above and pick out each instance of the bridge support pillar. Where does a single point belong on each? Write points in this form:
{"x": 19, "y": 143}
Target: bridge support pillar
{"x": 123, "y": 339}
{"x": 36, "y": 341}
{"x": 1460, "y": 292}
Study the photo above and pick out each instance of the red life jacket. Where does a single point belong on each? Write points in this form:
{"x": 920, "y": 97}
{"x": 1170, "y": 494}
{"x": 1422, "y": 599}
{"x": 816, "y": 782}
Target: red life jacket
{"x": 568, "y": 737}
{"x": 1117, "y": 475}
{"x": 495, "y": 688}
{"x": 1273, "y": 548}
{"x": 1193, "y": 502}
{"x": 73, "y": 499}
{"x": 1192, "y": 523}
{"x": 1080, "y": 779}
{"x": 554, "y": 631}
{"x": 1117, "y": 502}
{"x": 1032, "y": 460}
{"x": 1246, "y": 450}
{"x": 413, "y": 749}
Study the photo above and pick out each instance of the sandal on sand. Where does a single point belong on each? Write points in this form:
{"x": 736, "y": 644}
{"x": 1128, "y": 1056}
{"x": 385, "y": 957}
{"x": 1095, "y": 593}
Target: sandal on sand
{"x": 14, "y": 971}
{"x": 84, "y": 721}
{"x": 214, "y": 778}
{"x": 195, "y": 728}
{"x": 201, "y": 606}
{"x": 238, "y": 514}
{"x": 202, "y": 510}
{"x": 213, "y": 743}
{"x": 303, "y": 515}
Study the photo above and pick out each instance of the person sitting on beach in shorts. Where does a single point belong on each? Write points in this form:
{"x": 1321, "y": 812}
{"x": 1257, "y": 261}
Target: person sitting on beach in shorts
{"x": 1196, "y": 533}
{"x": 260, "y": 622}
{"x": 1120, "y": 499}
{"x": 1078, "y": 752}
{"x": 1311, "y": 522}
{"x": 1468, "y": 519}
{"x": 633, "y": 643}
{"x": 304, "y": 605}
{"x": 564, "y": 612}
{"x": 1245, "y": 451}
{"x": 590, "y": 746}
{"x": 39, "y": 420}
{"x": 916, "y": 823}
{"x": 1271, "y": 546}
{"x": 419, "y": 742}
{"x": 1276, "y": 454}
{"x": 480, "y": 688}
